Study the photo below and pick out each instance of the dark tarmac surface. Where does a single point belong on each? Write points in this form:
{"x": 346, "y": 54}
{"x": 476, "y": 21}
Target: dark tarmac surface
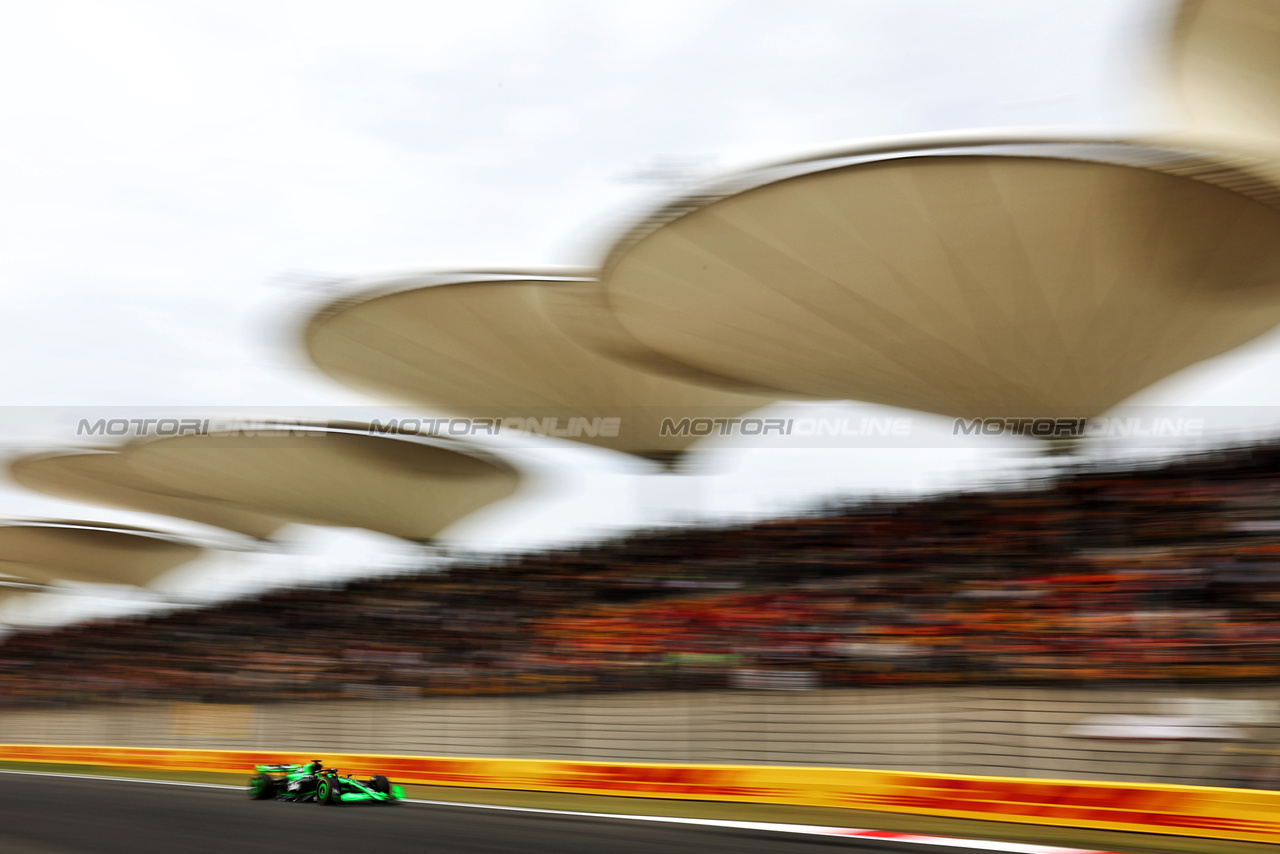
{"x": 65, "y": 815}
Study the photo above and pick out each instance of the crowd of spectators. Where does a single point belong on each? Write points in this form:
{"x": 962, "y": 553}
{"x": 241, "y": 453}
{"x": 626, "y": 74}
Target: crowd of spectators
{"x": 1170, "y": 572}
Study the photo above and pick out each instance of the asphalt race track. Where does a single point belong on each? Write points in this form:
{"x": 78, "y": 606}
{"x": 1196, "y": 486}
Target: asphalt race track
{"x": 68, "y": 815}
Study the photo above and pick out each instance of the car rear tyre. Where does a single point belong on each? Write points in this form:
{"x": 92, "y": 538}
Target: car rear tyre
{"x": 261, "y": 787}
{"x": 327, "y": 792}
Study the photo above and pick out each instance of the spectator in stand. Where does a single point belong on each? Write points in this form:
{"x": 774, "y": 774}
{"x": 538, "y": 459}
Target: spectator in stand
{"x": 1169, "y": 572}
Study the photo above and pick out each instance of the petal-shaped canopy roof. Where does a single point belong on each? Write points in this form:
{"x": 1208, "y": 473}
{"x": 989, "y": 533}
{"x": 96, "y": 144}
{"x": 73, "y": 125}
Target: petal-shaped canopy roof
{"x": 581, "y": 311}
{"x": 965, "y": 277}
{"x": 489, "y": 345}
{"x": 1225, "y": 68}
{"x": 43, "y": 552}
{"x": 346, "y": 476}
{"x": 103, "y": 477}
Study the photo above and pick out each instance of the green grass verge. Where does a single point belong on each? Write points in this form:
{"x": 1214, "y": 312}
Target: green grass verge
{"x": 1139, "y": 843}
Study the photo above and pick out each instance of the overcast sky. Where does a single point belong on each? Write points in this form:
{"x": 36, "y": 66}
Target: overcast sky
{"x": 181, "y": 181}
{"x": 165, "y": 163}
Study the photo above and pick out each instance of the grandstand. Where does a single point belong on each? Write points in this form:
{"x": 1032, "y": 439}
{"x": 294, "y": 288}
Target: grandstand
{"x": 1158, "y": 574}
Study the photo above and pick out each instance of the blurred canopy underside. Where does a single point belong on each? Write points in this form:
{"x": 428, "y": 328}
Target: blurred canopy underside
{"x": 255, "y": 484}
{"x": 401, "y": 487}
{"x": 1224, "y": 66}
{"x": 45, "y": 553}
{"x": 105, "y": 478}
{"x": 496, "y": 346}
{"x": 975, "y": 280}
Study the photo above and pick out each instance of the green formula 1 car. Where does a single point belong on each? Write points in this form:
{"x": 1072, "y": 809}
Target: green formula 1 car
{"x": 313, "y": 782}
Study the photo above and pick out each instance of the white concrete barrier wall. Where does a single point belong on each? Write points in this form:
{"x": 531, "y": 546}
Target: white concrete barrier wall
{"x": 1018, "y": 732}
